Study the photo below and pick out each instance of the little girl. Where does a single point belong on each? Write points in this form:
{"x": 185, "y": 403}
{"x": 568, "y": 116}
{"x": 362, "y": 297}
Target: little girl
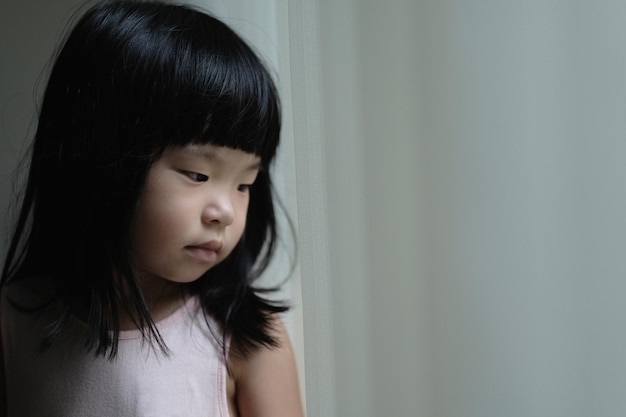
{"x": 146, "y": 218}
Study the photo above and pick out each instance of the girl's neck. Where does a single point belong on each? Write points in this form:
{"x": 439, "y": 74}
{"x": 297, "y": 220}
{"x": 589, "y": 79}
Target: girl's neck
{"x": 161, "y": 299}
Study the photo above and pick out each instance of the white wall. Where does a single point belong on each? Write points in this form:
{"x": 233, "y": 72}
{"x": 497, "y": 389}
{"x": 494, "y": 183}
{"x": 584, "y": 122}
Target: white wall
{"x": 476, "y": 191}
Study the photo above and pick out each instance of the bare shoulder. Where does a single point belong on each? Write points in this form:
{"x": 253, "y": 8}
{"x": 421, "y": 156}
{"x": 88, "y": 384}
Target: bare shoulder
{"x": 265, "y": 384}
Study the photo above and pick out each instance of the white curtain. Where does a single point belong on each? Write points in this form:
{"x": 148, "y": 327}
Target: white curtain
{"x": 476, "y": 196}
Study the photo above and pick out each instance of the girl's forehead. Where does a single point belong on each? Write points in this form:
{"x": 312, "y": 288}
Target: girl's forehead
{"x": 220, "y": 155}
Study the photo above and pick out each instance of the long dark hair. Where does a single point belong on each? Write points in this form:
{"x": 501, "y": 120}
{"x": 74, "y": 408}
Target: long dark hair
{"x": 132, "y": 79}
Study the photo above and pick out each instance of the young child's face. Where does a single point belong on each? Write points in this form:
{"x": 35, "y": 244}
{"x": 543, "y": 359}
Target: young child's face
{"x": 192, "y": 211}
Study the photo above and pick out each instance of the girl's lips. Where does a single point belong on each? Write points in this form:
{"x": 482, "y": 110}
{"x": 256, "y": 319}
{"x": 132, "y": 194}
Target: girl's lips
{"x": 213, "y": 245}
{"x": 206, "y": 252}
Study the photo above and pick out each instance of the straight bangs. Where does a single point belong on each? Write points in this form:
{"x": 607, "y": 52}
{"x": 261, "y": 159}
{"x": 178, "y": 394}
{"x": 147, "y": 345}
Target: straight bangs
{"x": 201, "y": 83}
{"x": 234, "y": 97}
{"x": 150, "y": 76}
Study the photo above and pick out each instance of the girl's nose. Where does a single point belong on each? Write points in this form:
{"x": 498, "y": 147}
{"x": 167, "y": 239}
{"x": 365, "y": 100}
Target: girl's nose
{"x": 219, "y": 211}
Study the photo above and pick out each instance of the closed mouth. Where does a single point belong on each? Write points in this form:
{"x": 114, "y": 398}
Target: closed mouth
{"x": 213, "y": 245}
{"x": 205, "y": 252}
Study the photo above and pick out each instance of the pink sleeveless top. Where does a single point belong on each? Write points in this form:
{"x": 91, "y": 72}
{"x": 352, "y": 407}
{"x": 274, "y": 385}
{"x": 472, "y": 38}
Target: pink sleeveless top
{"x": 66, "y": 381}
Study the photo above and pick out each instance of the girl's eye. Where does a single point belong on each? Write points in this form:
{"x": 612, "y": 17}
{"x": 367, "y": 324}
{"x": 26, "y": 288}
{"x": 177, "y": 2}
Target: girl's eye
{"x": 197, "y": 177}
{"x": 244, "y": 188}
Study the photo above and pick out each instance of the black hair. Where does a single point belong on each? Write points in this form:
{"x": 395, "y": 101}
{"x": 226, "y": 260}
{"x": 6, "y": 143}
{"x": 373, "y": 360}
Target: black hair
{"x": 132, "y": 79}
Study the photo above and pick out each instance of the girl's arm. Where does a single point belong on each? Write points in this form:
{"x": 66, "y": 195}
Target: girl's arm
{"x": 266, "y": 383}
